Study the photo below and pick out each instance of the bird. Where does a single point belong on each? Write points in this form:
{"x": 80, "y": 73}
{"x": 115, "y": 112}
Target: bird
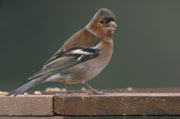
{"x": 81, "y": 58}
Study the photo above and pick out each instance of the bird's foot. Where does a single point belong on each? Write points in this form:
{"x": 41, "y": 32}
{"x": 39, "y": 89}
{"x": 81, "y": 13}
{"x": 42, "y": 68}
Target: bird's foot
{"x": 67, "y": 89}
{"x": 93, "y": 91}
{"x": 96, "y": 92}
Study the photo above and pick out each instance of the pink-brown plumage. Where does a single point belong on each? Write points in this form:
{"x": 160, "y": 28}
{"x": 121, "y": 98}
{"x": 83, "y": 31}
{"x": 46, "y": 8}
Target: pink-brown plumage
{"x": 82, "y": 57}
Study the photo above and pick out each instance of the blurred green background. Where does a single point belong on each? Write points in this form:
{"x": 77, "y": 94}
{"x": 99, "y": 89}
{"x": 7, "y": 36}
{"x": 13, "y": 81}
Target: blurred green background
{"x": 147, "y": 40}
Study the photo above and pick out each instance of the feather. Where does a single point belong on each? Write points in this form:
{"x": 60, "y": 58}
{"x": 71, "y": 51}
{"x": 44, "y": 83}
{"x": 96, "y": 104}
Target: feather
{"x": 26, "y": 86}
{"x": 67, "y": 59}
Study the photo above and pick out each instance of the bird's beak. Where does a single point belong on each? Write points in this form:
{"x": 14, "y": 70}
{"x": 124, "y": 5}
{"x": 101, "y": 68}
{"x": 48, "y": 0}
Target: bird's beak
{"x": 112, "y": 26}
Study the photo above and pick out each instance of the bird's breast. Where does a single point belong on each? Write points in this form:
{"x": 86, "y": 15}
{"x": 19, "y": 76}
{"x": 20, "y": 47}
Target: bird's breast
{"x": 91, "y": 68}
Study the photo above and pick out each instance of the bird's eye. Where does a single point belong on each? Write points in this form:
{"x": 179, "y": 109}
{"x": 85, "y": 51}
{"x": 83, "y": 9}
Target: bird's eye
{"x": 102, "y": 22}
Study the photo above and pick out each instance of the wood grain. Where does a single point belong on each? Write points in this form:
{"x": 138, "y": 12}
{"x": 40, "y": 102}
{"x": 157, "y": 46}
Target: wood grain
{"x": 56, "y": 117}
{"x": 27, "y": 105}
{"x": 118, "y": 104}
{"x": 159, "y": 102}
{"x": 97, "y": 117}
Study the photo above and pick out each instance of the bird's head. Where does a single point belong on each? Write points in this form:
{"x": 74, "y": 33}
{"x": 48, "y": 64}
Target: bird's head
{"x": 103, "y": 23}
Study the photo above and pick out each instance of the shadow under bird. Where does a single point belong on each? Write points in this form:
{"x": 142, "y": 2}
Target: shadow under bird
{"x": 82, "y": 57}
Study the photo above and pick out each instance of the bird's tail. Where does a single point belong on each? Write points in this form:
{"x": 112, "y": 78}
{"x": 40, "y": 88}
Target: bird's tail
{"x": 26, "y": 86}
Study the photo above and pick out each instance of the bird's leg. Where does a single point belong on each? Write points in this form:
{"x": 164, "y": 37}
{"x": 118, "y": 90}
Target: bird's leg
{"x": 66, "y": 87}
{"x": 94, "y": 91}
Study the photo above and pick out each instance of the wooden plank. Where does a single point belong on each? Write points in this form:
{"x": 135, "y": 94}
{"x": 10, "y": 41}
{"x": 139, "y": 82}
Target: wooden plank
{"x": 117, "y": 104}
{"x": 57, "y": 117}
{"x": 128, "y": 90}
{"x": 114, "y": 102}
{"x": 97, "y": 117}
{"x": 27, "y": 105}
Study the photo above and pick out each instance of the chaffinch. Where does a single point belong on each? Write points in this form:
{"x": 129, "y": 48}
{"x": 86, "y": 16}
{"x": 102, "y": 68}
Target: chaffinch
{"x": 82, "y": 57}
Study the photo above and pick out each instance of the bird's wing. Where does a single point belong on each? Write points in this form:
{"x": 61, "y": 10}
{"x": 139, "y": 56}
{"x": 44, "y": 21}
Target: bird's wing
{"x": 81, "y": 39}
{"x": 67, "y": 59}
{"x": 79, "y": 48}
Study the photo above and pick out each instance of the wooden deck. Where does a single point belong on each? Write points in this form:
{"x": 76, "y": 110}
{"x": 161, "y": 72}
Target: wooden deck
{"x": 140, "y": 103}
